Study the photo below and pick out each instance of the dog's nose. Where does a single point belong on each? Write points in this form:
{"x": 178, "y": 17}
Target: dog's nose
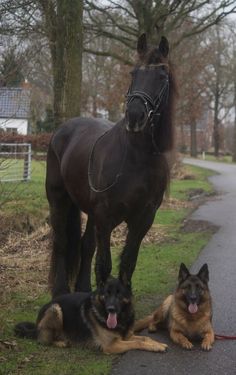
{"x": 111, "y": 309}
{"x": 193, "y": 299}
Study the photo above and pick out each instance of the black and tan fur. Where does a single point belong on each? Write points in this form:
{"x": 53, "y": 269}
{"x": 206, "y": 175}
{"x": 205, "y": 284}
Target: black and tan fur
{"x": 102, "y": 319}
{"x": 187, "y": 313}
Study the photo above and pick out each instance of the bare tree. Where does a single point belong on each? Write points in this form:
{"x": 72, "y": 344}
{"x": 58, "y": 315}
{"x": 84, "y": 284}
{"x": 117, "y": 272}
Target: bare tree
{"x": 234, "y": 104}
{"x": 124, "y": 20}
{"x": 218, "y": 80}
{"x": 60, "y": 22}
{"x": 63, "y": 26}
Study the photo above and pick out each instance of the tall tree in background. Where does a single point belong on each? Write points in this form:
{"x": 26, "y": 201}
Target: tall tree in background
{"x": 216, "y": 134}
{"x": 60, "y": 21}
{"x": 124, "y": 20}
{"x": 191, "y": 58}
{"x": 11, "y": 69}
{"x": 234, "y": 103}
{"x": 63, "y": 24}
{"x": 218, "y": 80}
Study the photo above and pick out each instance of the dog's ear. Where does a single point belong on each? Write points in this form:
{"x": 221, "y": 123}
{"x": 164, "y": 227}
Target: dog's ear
{"x": 203, "y": 273}
{"x": 183, "y": 273}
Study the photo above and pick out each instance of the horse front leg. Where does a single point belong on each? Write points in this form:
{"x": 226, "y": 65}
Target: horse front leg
{"x": 88, "y": 245}
{"x": 103, "y": 263}
{"x": 137, "y": 228}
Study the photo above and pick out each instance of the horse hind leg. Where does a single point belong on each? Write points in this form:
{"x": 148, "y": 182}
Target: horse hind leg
{"x": 65, "y": 223}
{"x": 87, "y": 249}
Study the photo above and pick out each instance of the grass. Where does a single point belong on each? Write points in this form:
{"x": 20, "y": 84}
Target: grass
{"x": 26, "y": 201}
{"x": 221, "y": 158}
{"x": 154, "y": 277}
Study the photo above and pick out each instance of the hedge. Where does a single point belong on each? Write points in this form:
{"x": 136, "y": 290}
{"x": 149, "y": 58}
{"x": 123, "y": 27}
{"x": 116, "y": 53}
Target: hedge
{"x": 39, "y": 142}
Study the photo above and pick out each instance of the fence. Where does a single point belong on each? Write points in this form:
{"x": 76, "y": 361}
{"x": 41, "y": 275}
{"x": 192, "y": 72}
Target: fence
{"x": 15, "y": 162}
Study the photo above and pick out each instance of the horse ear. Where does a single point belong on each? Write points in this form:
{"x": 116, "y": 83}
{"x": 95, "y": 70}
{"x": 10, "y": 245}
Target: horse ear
{"x": 203, "y": 273}
{"x": 101, "y": 279}
{"x": 125, "y": 281}
{"x": 183, "y": 273}
{"x": 164, "y": 46}
{"x": 142, "y": 45}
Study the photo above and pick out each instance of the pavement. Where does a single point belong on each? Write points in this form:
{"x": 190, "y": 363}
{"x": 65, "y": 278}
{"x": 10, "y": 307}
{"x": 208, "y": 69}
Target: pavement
{"x": 220, "y": 254}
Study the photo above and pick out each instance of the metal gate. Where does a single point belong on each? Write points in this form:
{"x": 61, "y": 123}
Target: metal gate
{"x": 15, "y": 162}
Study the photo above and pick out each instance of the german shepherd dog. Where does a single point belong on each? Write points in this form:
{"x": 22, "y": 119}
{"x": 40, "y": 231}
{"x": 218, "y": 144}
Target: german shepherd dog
{"x": 103, "y": 319}
{"x": 187, "y": 313}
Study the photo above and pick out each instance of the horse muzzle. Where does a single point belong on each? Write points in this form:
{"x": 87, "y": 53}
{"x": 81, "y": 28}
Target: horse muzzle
{"x": 135, "y": 122}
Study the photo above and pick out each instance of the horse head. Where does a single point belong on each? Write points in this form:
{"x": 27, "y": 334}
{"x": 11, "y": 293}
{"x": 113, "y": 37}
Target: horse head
{"x": 148, "y": 93}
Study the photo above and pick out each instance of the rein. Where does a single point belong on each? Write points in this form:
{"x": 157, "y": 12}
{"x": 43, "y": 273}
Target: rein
{"x": 224, "y": 337}
{"x": 90, "y": 167}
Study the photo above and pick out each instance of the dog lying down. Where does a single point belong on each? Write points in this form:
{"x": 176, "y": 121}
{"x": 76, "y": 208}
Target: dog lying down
{"x": 103, "y": 319}
{"x": 187, "y": 313}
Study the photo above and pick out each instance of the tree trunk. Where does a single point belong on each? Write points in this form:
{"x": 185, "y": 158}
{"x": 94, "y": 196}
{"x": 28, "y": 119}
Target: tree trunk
{"x": 73, "y": 56}
{"x": 234, "y": 135}
{"x": 216, "y": 132}
{"x": 63, "y": 22}
{"x": 193, "y": 133}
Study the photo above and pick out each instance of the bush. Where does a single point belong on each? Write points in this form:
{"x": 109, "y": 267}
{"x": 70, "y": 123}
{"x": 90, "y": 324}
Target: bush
{"x": 39, "y": 142}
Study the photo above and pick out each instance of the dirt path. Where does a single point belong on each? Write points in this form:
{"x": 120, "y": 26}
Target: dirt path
{"x": 220, "y": 254}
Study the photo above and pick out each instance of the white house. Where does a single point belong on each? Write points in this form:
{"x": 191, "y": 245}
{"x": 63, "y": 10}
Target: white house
{"x": 14, "y": 109}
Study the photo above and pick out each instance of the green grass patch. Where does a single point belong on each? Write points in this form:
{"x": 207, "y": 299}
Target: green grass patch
{"x": 222, "y": 158}
{"x": 26, "y": 201}
{"x": 197, "y": 180}
{"x": 155, "y": 277}
{"x": 170, "y": 217}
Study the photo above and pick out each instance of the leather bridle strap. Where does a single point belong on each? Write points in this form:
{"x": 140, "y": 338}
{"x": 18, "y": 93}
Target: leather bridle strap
{"x": 151, "y": 105}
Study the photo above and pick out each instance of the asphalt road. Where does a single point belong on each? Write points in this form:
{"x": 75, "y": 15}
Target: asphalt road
{"x": 220, "y": 254}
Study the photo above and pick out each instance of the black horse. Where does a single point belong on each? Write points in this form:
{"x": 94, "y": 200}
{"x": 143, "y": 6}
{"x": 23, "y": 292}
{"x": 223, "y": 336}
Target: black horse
{"x": 113, "y": 173}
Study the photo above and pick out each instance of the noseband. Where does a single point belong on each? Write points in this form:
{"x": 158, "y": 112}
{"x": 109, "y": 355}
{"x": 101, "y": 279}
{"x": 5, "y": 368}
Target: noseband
{"x": 152, "y": 105}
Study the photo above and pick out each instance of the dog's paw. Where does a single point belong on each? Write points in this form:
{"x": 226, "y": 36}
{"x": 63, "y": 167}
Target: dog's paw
{"x": 61, "y": 344}
{"x": 152, "y": 328}
{"x": 160, "y": 347}
{"x": 186, "y": 345}
{"x": 206, "y": 345}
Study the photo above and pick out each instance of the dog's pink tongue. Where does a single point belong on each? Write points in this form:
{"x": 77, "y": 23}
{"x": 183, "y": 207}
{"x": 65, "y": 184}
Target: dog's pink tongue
{"x": 193, "y": 308}
{"x": 112, "y": 321}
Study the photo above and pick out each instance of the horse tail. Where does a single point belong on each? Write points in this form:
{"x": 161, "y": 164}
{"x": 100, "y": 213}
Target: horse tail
{"x": 72, "y": 245}
{"x": 26, "y": 330}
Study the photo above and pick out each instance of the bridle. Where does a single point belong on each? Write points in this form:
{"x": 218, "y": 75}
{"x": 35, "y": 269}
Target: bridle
{"x": 152, "y": 105}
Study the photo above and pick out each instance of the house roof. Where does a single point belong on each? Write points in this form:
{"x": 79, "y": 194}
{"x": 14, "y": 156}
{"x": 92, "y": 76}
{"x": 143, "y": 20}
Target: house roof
{"x": 14, "y": 102}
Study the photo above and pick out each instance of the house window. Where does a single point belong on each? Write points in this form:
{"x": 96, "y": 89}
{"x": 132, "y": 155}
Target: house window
{"x": 11, "y": 130}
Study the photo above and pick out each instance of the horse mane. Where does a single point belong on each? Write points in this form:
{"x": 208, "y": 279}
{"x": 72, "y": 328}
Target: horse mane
{"x": 165, "y": 135}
